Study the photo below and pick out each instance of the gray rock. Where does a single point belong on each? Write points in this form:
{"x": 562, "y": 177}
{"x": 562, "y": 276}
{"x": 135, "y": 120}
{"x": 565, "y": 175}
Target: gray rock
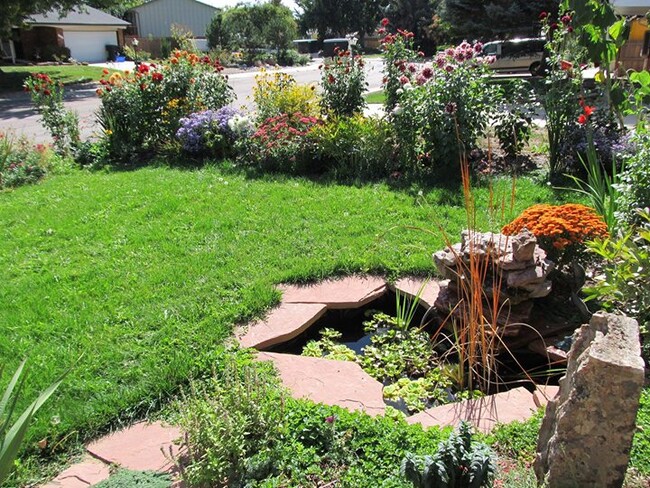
{"x": 523, "y": 245}
{"x": 587, "y": 430}
{"x": 530, "y": 276}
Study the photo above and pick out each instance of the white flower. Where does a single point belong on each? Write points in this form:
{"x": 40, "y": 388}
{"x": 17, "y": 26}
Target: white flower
{"x": 135, "y": 42}
{"x": 399, "y": 91}
{"x": 397, "y": 110}
{"x": 407, "y": 86}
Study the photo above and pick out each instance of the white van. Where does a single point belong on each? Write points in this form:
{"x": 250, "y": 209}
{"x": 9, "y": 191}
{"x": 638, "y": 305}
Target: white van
{"x": 516, "y": 54}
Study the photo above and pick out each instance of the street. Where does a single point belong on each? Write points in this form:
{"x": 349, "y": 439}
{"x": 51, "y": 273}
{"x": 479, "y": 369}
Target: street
{"x": 17, "y": 114}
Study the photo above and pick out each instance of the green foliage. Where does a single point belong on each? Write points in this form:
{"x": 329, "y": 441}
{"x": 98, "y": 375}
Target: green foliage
{"x": 634, "y": 180}
{"x": 561, "y": 88}
{"x": 278, "y": 93}
{"x": 232, "y": 422}
{"x": 337, "y": 19}
{"x": 640, "y": 455}
{"x": 20, "y": 162}
{"x": 622, "y": 284}
{"x": 148, "y": 271}
{"x": 125, "y": 478}
{"x": 354, "y": 147}
{"x": 282, "y": 144}
{"x": 458, "y": 463}
{"x": 442, "y": 111}
{"x": 491, "y": 19}
{"x": 343, "y": 82}
{"x": 326, "y": 347}
{"x": 47, "y": 96}
{"x": 12, "y": 435}
{"x": 397, "y": 50}
{"x": 141, "y": 111}
{"x": 517, "y": 440}
{"x": 600, "y": 187}
{"x": 512, "y": 120}
{"x": 251, "y": 27}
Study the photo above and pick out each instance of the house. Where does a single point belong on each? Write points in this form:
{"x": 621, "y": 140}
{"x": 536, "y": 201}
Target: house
{"x": 84, "y": 31}
{"x": 154, "y": 19}
{"x": 634, "y": 54}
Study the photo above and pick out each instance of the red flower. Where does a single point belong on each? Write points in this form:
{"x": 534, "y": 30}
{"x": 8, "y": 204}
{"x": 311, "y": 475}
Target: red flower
{"x": 381, "y": 31}
{"x": 385, "y": 21}
{"x": 582, "y": 120}
{"x": 105, "y": 71}
{"x": 543, "y": 15}
{"x": 589, "y": 110}
{"x": 46, "y": 92}
{"x": 331, "y": 79}
{"x": 569, "y": 29}
{"x": 565, "y": 65}
{"x": 143, "y": 68}
{"x": 158, "y": 77}
{"x": 566, "y": 19}
{"x": 403, "y": 80}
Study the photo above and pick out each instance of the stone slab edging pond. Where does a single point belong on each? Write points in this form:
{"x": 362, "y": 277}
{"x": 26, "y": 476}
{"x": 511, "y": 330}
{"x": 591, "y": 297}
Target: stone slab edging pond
{"x": 344, "y": 383}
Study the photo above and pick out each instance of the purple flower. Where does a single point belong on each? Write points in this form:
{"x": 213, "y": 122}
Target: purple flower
{"x": 330, "y": 419}
{"x": 194, "y": 127}
{"x": 451, "y": 107}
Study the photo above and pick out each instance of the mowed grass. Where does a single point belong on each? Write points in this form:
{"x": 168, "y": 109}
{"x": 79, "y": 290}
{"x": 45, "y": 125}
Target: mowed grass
{"x": 12, "y": 78}
{"x": 135, "y": 279}
{"x": 376, "y": 97}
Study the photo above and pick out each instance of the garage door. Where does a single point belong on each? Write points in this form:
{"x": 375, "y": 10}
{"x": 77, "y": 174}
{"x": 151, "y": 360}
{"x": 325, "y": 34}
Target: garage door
{"x": 89, "y": 46}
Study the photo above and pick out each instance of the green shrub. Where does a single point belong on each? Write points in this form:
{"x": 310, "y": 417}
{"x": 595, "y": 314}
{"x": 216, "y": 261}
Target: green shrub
{"x": 443, "y": 109}
{"x": 640, "y": 455}
{"x": 278, "y": 93}
{"x": 125, "y": 478}
{"x": 291, "y": 57}
{"x": 513, "y": 118}
{"x": 623, "y": 284}
{"x": 282, "y": 144}
{"x": 141, "y": 111}
{"x": 20, "y": 162}
{"x": 634, "y": 186}
{"x": 517, "y": 440}
{"x": 458, "y": 463}
{"x": 63, "y": 125}
{"x": 354, "y": 147}
{"x": 343, "y": 82}
{"x": 232, "y": 424}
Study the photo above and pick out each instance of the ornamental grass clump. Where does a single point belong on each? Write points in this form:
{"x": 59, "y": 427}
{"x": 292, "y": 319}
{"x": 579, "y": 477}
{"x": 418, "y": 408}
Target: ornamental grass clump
{"x": 561, "y": 230}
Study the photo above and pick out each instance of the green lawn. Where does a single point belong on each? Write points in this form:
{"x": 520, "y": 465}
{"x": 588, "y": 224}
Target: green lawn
{"x": 134, "y": 279}
{"x": 376, "y": 97}
{"x": 13, "y": 77}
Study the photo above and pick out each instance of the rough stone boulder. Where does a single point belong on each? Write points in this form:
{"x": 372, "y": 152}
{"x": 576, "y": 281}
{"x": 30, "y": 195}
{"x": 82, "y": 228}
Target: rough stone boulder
{"x": 587, "y": 430}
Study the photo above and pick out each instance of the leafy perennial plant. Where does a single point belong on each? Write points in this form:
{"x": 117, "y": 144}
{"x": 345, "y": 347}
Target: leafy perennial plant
{"x": 142, "y": 110}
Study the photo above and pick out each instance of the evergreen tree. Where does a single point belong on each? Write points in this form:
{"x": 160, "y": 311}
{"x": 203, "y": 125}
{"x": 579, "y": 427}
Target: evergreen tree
{"x": 491, "y": 19}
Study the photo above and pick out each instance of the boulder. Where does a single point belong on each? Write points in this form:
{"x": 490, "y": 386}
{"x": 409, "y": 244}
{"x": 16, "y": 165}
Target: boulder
{"x": 587, "y": 431}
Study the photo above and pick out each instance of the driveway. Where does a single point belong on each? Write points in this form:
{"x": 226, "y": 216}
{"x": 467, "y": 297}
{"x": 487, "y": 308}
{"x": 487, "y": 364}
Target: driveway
{"x": 18, "y": 115}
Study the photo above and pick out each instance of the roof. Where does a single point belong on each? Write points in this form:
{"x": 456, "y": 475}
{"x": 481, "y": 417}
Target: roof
{"x": 631, "y": 7}
{"x": 226, "y": 3}
{"x": 79, "y": 16}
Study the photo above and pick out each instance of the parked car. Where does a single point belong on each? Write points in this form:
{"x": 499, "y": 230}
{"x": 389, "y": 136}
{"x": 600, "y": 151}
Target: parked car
{"x": 516, "y": 54}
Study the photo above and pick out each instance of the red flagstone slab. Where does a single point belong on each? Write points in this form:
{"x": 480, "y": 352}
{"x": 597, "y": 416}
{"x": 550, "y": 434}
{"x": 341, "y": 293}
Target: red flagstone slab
{"x": 341, "y": 383}
{"x": 86, "y": 473}
{"x": 349, "y": 292}
{"x": 484, "y": 413}
{"x": 283, "y": 324}
{"x": 412, "y": 286}
{"x": 141, "y": 447}
{"x": 543, "y": 394}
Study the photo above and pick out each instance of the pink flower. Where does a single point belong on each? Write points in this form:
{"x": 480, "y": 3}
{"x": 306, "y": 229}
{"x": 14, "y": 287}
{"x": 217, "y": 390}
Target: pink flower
{"x": 403, "y": 80}
{"x": 330, "y": 419}
{"x": 543, "y": 15}
{"x": 385, "y": 21}
{"x": 427, "y": 73}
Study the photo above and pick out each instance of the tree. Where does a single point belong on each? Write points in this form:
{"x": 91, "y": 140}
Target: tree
{"x": 340, "y": 17}
{"x": 269, "y": 25}
{"x": 416, "y": 16}
{"x": 489, "y": 19}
